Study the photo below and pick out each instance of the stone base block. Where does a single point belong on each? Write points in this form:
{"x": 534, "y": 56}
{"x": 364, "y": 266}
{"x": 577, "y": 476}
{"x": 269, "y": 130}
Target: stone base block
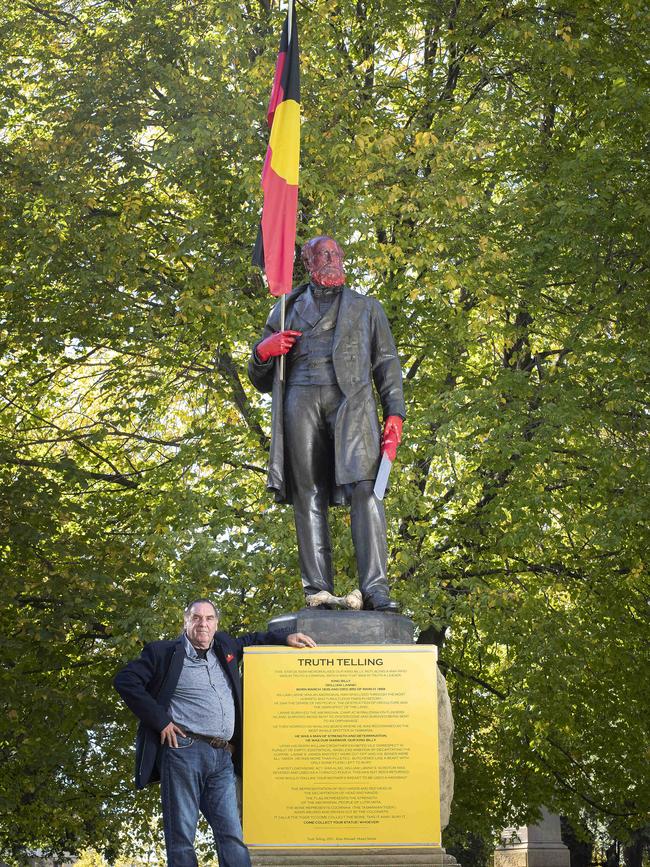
{"x": 340, "y": 857}
{"x": 528, "y": 856}
{"x": 538, "y": 845}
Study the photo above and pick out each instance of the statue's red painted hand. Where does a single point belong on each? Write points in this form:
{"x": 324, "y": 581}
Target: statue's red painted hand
{"x": 392, "y": 436}
{"x": 277, "y": 344}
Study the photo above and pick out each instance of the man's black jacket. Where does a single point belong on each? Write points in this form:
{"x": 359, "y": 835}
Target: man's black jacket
{"x": 147, "y": 684}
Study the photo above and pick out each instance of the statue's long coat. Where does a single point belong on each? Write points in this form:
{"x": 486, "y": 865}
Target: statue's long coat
{"x": 363, "y": 352}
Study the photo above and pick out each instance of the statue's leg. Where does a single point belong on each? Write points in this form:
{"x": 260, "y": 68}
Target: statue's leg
{"x": 368, "y": 522}
{"x": 309, "y": 453}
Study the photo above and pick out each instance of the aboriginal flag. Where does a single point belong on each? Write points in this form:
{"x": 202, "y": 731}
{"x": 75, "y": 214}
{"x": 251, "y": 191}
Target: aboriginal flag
{"x": 274, "y": 248}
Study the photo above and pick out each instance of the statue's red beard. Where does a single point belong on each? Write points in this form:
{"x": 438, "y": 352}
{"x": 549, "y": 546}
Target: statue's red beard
{"x": 329, "y": 275}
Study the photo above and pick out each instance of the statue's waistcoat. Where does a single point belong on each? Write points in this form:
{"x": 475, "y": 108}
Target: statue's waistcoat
{"x": 310, "y": 361}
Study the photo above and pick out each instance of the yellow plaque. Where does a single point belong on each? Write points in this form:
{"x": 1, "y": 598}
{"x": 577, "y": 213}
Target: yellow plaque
{"x": 341, "y": 747}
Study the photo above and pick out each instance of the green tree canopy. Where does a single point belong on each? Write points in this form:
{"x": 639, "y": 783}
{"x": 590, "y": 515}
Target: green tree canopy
{"x": 485, "y": 166}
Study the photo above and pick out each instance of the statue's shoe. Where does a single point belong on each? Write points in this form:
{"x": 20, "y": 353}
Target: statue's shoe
{"x": 382, "y": 603}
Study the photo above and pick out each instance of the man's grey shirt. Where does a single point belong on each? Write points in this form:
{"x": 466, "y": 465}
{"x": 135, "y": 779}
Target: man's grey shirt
{"x": 203, "y": 701}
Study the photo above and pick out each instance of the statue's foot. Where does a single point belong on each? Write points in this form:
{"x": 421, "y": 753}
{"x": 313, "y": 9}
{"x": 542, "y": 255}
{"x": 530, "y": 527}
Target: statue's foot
{"x": 354, "y": 600}
{"x": 381, "y": 603}
{"x": 322, "y": 600}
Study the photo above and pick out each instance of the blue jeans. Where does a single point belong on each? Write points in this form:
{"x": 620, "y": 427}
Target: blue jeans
{"x": 195, "y": 776}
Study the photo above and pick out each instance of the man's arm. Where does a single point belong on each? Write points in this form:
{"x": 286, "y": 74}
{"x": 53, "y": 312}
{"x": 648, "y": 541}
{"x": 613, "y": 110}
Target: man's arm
{"x": 291, "y": 639}
{"x": 132, "y": 682}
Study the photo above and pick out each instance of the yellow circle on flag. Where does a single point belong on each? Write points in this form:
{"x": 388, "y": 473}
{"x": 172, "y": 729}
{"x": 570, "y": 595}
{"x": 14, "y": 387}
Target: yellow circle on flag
{"x": 285, "y": 141}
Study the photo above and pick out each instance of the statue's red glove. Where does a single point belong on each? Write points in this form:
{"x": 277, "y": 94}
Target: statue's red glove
{"x": 277, "y": 344}
{"x": 392, "y": 436}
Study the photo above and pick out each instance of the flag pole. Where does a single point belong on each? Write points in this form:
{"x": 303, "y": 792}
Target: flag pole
{"x": 282, "y": 312}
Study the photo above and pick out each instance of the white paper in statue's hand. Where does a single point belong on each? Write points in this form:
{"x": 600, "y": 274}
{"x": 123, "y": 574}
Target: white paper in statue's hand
{"x": 382, "y": 476}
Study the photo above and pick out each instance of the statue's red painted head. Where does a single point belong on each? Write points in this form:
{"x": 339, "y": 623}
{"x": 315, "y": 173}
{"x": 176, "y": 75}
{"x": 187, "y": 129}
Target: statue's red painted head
{"x": 323, "y": 259}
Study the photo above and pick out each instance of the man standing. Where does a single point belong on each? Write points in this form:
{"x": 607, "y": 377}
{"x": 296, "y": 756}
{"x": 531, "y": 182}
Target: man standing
{"x": 326, "y": 442}
{"x": 187, "y": 695}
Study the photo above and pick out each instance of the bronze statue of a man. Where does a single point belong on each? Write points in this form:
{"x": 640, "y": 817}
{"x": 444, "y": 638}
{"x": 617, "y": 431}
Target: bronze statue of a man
{"x": 326, "y": 440}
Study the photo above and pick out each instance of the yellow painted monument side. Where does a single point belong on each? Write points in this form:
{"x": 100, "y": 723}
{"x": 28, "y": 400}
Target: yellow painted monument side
{"x": 341, "y": 747}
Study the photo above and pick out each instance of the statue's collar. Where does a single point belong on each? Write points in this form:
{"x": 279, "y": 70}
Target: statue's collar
{"x": 322, "y": 291}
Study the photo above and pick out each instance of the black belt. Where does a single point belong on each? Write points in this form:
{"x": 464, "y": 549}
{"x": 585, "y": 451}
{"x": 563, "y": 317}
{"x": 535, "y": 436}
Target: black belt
{"x": 217, "y": 743}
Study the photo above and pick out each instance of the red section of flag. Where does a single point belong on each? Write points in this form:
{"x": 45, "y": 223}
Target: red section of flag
{"x": 278, "y": 222}
{"x": 277, "y": 91}
{"x": 266, "y": 168}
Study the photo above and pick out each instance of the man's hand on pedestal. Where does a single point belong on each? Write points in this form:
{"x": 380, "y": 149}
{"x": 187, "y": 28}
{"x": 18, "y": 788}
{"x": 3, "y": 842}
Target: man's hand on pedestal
{"x": 299, "y": 639}
{"x": 392, "y": 436}
{"x": 277, "y": 344}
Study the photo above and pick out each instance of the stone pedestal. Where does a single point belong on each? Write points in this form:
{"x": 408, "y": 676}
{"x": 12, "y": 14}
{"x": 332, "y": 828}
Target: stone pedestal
{"x": 369, "y": 628}
{"x": 534, "y": 845}
{"x": 348, "y": 627}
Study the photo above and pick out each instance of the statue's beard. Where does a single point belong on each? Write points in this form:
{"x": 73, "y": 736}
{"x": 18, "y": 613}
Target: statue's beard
{"x": 331, "y": 275}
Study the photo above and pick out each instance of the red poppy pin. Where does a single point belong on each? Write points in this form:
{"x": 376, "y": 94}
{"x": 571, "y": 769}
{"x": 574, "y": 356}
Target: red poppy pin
{"x": 230, "y": 657}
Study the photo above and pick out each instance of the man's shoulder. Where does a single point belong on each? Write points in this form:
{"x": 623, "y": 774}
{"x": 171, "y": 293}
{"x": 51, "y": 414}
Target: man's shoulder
{"x": 163, "y": 645}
